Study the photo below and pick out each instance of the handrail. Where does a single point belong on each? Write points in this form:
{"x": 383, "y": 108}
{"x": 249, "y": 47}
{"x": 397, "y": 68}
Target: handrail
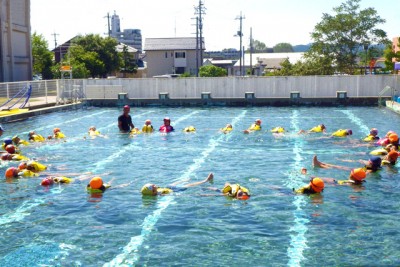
{"x": 384, "y": 90}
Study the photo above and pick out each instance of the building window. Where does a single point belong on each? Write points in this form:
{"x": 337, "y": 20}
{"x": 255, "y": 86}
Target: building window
{"x": 180, "y": 55}
{"x": 166, "y": 54}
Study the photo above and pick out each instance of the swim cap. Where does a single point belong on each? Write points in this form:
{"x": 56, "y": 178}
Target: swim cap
{"x": 317, "y": 184}
{"x": 167, "y": 119}
{"x": 127, "y": 107}
{"x": 358, "y": 174}
{"x": 376, "y": 161}
{"x": 147, "y": 190}
{"x": 7, "y": 141}
{"x": 10, "y": 149}
{"x": 393, "y": 155}
{"x": 373, "y": 131}
{"x": 56, "y": 130}
{"x": 389, "y": 133}
{"x": 349, "y": 132}
{"x": 47, "y": 182}
{"x": 258, "y": 120}
{"x": 148, "y": 122}
{"x": 22, "y": 165}
{"x": 96, "y": 183}
{"x": 393, "y": 138}
{"x": 11, "y": 172}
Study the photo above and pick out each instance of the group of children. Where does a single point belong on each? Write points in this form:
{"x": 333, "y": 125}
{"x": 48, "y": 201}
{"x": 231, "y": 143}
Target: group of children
{"x": 387, "y": 154}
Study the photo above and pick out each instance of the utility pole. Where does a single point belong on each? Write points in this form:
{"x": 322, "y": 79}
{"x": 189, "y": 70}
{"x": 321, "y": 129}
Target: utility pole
{"x": 200, "y": 10}
{"x": 108, "y": 24}
{"x": 240, "y": 34}
{"x": 251, "y": 51}
{"x": 55, "y": 39}
{"x": 197, "y": 46}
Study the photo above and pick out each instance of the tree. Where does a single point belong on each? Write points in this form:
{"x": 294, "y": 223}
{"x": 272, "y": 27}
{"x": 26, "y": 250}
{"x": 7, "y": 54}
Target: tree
{"x": 94, "y": 54}
{"x": 212, "y": 71}
{"x": 389, "y": 55}
{"x": 339, "y": 38}
{"x": 128, "y": 62}
{"x": 42, "y": 57}
{"x": 258, "y": 46}
{"x": 283, "y": 48}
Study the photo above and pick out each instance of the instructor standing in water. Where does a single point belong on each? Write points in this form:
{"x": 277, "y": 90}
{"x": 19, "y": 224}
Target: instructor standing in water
{"x": 125, "y": 121}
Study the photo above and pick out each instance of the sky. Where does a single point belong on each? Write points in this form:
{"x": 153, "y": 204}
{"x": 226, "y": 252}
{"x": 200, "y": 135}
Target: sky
{"x": 270, "y": 21}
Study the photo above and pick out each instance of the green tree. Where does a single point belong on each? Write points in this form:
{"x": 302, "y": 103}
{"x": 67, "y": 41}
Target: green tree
{"x": 258, "y": 46}
{"x": 212, "y": 71}
{"x": 389, "y": 55}
{"x": 339, "y": 37}
{"x": 283, "y": 48}
{"x": 128, "y": 63}
{"x": 94, "y": 55}
{"x": 42, "y": 57}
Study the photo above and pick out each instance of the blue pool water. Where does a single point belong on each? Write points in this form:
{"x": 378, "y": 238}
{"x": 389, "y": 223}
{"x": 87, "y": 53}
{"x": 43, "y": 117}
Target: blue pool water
{"x": 63, "y": 226}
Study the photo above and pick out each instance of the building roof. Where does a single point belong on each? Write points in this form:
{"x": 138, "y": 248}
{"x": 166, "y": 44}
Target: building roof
{"x": 120, "y": 48}
{"x": 270, "y": 60}
{"x": 176, "y": 43}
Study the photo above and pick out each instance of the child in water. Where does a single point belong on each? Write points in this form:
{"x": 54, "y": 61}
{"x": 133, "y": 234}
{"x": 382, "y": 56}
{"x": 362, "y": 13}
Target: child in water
{"x": 256, "y": 126}
{"x": 153, "y": 190}
{"x": 315, "y": 186}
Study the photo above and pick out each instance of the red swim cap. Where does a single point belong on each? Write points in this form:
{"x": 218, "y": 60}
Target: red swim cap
{"x": 358, "y": 174}
{"x": 10, "y": 149}
{"x": 47, "y": 182}
{"x": 96, "y": 183}
{"x": 11, "y": 172}
{"x": 317, "y": 184}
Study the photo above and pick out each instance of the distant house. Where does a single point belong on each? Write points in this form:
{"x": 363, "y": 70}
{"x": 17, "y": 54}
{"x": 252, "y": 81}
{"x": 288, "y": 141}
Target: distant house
{"x": 263, "y": 62}
{"x": 171, "y": 55}
{"x": 226, "y": 64}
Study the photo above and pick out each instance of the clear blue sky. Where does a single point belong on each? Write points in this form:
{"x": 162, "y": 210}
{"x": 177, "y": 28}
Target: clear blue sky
{"x": 272, "y": 21}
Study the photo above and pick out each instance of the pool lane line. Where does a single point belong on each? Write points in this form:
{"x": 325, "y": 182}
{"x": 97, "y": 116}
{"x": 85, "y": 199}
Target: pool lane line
{"x": 356, "y": 120}
{"x": 298, "y": 240}
{"x": 23, "y": 210}
{"x": 130, "y": 254}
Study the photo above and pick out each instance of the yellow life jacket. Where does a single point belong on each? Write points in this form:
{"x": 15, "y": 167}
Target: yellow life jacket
{"x": 19, "y": 157}
{"x": 226, "y": 129}
{"x": 23, "y": 142}
{"x": 38, "y": 138}
{"x": 94, "y": 133}
{"x": 369, "y": 138}
{"x": 37, "y": 166}
{"x": 59, "y": 135}
{"x": 62, "y": 180}
{"x": 164, "y": 191}
{"x": 135, "y": 131}
{"x": 340, "y": 133}
{"x": 378, "y": 152}
{"x": 147, "y": 128}
{"x": 278, "y": 130}
{"x": 189, "y": 129}
{"x": 232, "y": 190}
{"x": 100, "y": 190}
{"x": 316, "y": 129}
{"x": 255, "y": 127}
{"x": 27, "y": 173}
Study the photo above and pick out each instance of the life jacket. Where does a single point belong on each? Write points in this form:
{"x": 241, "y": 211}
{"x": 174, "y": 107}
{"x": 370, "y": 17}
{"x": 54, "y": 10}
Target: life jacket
{"x": 27, "y": 173}
{"x": 255, "y": 127}
{"x": 370, "y": 138}
{"x": 59, "y": 135}
{"x": 340, "y": 133}
{"x": 62, "y": 180}
{"x": 147, "y": 128}
{"x": 94, "y": 133}
{"x": 232, "y": 190}
{"x": 189, "y": 129}
{"x": 100, "y": 190}
{"x": 164, "y": 191}
{"x": 37, "y": 166}
{"x": 38, "y": 138}
{"x": 226, "y": 129}
{"x": 278, "y": 130}
{"x": 316, "y": 129}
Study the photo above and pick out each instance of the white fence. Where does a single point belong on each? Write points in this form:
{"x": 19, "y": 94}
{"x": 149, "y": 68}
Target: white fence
{"x": 236, "y": 87}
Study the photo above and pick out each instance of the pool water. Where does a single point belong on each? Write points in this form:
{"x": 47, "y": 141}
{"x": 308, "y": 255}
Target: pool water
{"x": 64, "y": 226}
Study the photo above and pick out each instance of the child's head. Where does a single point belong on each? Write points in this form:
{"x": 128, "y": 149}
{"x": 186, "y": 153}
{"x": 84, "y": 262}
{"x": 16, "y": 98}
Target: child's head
{"x": 147, "y": 122}
{"x": 92, "y": 128}
{"x": 149, "y": 190}
{"x": 96, "y": 183}
{"x": 373, "y": 132}
{"x": 357, "y": 175}
{"x": 317, "y": 184}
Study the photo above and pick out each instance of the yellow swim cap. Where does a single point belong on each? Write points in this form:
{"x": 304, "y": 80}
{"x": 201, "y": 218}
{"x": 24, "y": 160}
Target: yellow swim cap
{"x": 147, "y": 190}
{"x": 96, "y": 183}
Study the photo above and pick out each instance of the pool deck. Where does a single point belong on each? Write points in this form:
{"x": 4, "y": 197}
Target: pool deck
{"x": 38, "y": 106}
{"x": 394, "y": 106}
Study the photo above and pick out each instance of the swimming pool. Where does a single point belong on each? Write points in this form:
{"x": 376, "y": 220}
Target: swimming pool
{"x": 63, "y": 226}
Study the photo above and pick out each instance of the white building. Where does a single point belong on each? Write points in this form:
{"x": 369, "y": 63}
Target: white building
{"x": 15, "y": 41}
{"x": 131, "y": 37}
